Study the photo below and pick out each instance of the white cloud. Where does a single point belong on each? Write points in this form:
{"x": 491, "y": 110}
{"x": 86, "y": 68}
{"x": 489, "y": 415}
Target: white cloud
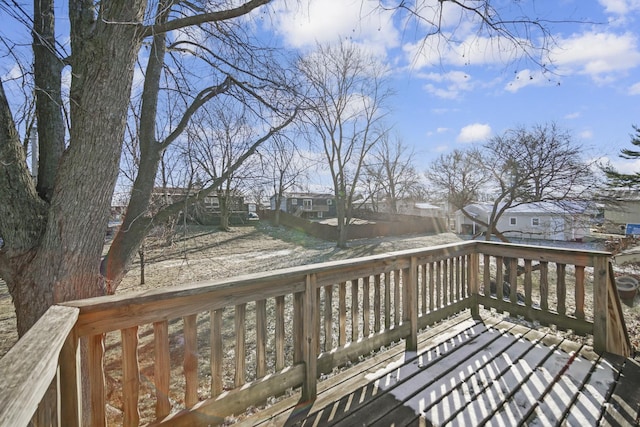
{"x": 573, "y": 116}
{"x": 526, "y": 78}
{"x": 620, "y": 7}
{"x": 586, "y": 134}
{"x": 635, "y": 89}
{"x": 474, "y": 132}
{"x": 602, "y": 56}
{"x": 451, "y": 84}
{"x": 328, "y": 21}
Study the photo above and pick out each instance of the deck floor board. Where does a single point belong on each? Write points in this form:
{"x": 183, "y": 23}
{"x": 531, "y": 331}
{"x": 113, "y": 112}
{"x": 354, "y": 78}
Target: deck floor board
{"x": 467, "y": 373}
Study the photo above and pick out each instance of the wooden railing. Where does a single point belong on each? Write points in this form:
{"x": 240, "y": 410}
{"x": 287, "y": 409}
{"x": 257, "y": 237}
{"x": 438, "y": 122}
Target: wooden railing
{"x": 195, "y": 354}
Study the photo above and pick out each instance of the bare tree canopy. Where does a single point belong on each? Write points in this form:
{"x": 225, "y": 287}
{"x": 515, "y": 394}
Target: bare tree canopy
{"x": 345, "y": 108}
{"x": 540, "y": 164}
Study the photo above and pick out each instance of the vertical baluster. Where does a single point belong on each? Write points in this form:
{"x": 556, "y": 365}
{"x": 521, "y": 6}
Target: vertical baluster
{"x": 217, "y": 352}
{"x": 422, "y": 278}
{"x": 431, "y": 287}
{"x": 456, "y": 262}
{"x": 486, "y": 274}
{"x": 579, "y": 291}
{"x": 342, "y": 308}
{"x": 310, "y": 346}
{"x": 161, "y": 368}
{"x": 387, "y": 300}
{"x": 528, "y": 283}
{"x": 317, "y": 326}
{"x": 438, "y": 284}
{"x": 130, "y": 376}
{"x": 376, "y": 304}
{"x": 355, "y": 324}
{"x": 445, "y": 282}
{"x": 452, "y": 280}
{"x": 513, "y": 280}
{"x": 328, "y": 318}
{"x": 298, "y": 333}
{"x": 96, "y": 380}
{"x": 464, "y": 274}
{"x": 561, "y": 288}
{"x": 366, "y": 306}
{"x": 396, "y": 297}
{"x": 261, "y": 338}
{"x": 240, "y": 353}
{"x": 544, "y": 285}
{"x": 190, "y": 363}
{"x": 279, "y": 333}
{"x": 499, "y": 278}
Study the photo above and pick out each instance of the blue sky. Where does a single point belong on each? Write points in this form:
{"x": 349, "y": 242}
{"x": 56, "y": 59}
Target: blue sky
{"x": 450, "y": 95}
{"x": 453, "y": 95}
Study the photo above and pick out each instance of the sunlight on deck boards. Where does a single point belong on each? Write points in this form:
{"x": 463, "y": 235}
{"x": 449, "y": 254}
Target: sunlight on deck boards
{"x": 492, "y": 372}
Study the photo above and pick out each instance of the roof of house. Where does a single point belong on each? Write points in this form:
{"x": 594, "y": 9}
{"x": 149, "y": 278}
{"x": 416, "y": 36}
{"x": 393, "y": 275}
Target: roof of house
{"x": 559, "y": 207}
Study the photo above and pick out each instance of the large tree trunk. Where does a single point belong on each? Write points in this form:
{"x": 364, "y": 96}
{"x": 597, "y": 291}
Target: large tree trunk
{"x": 61, "y": 262}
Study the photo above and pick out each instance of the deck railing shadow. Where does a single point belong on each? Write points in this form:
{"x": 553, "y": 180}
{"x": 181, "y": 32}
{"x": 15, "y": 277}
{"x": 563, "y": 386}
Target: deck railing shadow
{"x": 194, "y": 354}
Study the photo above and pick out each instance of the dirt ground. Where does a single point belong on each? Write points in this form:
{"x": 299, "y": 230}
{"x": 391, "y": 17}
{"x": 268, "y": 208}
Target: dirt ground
{"x": 204, "y": 253}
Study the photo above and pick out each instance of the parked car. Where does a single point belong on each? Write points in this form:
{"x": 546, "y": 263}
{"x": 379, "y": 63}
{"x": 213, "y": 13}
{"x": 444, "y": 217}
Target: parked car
{"x": 252, "y": 216}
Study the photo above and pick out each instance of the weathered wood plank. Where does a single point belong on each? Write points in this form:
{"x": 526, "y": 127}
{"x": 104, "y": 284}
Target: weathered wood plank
{"x": 387, "y": 300}
{"x": 31, "y": 364}
{"x": 342, "y": 314}
{"x": 352, "y": 380}
{"x": 401, "y": 383}
{"x": 310, "y": 346}
{"x": 161, "y": 367}
{"x": 213, "y": 411}
{"x": 95, "y": 368}
{"x": 561, "y": 288}
{"x": 280, "y": 332}
{"x": 579, "y": 292}
{"x": 377, "y": 307}
{"x": 130, "y": 377}
{"x": 624, "y": 404}
{"x": 328, "y": 318}
{"x": 355, "y": 308}
{"x": 261, "y": 338}
{"x": 366, "y": 306}
{"x": 217, "y": 352}
{"x": 240, "y": 328}
{"x": 190, "y": 360}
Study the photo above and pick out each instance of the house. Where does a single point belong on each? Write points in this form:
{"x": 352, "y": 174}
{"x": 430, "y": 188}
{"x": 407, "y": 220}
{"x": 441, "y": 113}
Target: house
{"x": 569, "y": 221}
{"x": 623, "y": 213}
{"x": 205, "y": 211}
{"x": 411, "y": 207}
{"x": 306, "y": 205}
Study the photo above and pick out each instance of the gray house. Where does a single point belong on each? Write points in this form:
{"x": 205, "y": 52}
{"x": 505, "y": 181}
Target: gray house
{"x": 307, "y": 205}
{"x": 567, "y": 221}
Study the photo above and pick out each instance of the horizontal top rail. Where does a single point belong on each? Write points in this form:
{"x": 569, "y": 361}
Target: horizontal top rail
{"x": 29, "y": 367}
{"x": 541, "y": 253}
{"x": 114, "y": 312}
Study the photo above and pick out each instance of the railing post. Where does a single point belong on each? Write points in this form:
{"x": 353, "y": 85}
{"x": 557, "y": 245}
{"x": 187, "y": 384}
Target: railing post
{"x": 411, "y": 293}
{"x": 70, "y": 396}
{"x": 472, "y": 277}
{"x": 600, "y": 304}
{"x": 310, "y": 343}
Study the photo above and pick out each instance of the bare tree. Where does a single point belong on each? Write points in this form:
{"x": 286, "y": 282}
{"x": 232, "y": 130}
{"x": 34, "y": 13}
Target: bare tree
{"x": 283, "y": 168}
{"x": 541, "y": 164}
{"x": 345, "y": 109}
{"x": 389, "y": 169}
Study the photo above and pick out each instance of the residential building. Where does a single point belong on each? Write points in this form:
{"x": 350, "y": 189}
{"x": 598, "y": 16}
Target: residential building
{"x": 567, "y": 221}
{"x": 306, "y": 205}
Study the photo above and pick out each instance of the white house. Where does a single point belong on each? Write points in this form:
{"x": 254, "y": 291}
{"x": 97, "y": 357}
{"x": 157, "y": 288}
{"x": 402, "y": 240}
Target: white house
{"x": 540, "y": 220}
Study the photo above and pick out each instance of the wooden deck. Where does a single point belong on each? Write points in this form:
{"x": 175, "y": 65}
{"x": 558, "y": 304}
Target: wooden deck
{"x": 468, "y": 373}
